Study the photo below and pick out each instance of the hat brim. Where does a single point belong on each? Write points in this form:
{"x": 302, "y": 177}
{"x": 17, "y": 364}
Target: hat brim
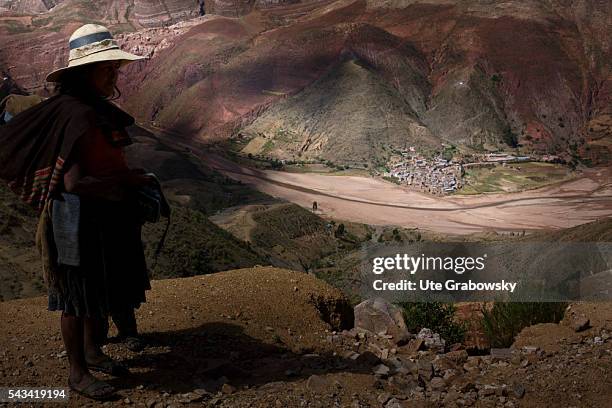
{"x": 106, "y": 55}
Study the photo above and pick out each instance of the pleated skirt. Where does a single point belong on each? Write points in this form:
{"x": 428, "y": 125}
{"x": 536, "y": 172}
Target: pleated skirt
{"x": 112, "y": 276}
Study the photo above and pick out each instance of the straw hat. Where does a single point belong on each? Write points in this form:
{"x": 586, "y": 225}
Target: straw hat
{"x": 92, "y": 43}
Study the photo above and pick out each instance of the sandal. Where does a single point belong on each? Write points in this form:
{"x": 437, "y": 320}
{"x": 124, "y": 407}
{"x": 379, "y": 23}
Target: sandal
{"x": 134, "y": 344}
{"x": 98, "y": 390}
{"x": 109, "y": 366}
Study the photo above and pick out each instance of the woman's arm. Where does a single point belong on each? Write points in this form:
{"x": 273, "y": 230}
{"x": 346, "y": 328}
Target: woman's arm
{"x": 97, "y": 169}
{"x": 114, "y": 188}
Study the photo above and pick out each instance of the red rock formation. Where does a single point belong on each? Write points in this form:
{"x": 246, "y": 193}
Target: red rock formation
{"x": 46, "y": 35}
{"x": 283, "y": 9}
{"x": 154, "y": 13}
{"x": 28, "y": 6}
{"x": 472, "y": 72}
{"x": 516, "y": 72}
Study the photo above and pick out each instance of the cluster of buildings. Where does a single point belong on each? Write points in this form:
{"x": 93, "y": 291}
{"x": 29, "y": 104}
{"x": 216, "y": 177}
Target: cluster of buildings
{"x": 439, "y": 175}
{"x": 436, "y": 176}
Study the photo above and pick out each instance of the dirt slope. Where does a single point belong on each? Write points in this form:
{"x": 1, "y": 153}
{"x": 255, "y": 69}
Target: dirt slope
{"x": 259, "y": 336}
{"x": 195, "y": 324}
{"x": 20, "y": 272}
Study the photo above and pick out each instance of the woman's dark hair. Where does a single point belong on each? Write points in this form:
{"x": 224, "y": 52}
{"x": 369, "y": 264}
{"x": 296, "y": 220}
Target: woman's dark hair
{"x": 75, "y": 82}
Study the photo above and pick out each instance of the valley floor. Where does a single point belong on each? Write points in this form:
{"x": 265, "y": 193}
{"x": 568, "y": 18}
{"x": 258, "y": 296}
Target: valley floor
{"x": 366, "y": 200}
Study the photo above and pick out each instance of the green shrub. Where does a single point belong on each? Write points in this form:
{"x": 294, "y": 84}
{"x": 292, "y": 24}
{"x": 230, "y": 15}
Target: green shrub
{"x": 449, "y": 152}
{"x": 340, "y": 230}
{"x": 436, "y": 316}
{"x": 505, "y": 320}
{"x": 496, "y": 78}
{"x": 509, "y": 137}
{"x": 392, "y": 179}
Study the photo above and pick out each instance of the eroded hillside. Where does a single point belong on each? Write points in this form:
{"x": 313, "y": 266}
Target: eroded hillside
{"x": 479, "y": 74}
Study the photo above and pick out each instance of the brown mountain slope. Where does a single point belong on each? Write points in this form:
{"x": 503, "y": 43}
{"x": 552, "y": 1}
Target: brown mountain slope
{"x": 513, "y": 73}
{"x": 44, "y": 36}
{"x": 28, "y": 6}
{"x": 350, "y": 116}
{"x": 597, "y": 231}
{"x": 283, "y": 10}
{"x": 20, "y": 273}
{"x": 481, "y": 73}
{"x": 141, "y": 13}
{"x": 287, "y": 235}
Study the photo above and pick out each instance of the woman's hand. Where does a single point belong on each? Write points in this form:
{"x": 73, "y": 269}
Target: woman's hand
{"x": 137, "y": 178}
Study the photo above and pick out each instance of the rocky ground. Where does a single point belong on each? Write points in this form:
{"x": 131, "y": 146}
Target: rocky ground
{"x": 266, "y": 337}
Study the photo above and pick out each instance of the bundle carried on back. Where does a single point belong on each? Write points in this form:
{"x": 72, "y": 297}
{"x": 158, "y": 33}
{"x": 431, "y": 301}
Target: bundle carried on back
{"x": 35, "y": 144}
{"x": 12, "y": 105}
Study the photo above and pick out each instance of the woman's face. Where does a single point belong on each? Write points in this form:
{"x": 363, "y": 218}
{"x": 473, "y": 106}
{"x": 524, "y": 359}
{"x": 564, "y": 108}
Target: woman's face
{"x": 103, "y": 76}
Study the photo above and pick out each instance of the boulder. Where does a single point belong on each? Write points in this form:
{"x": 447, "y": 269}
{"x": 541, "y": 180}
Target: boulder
{"x": 578, "y": 322}
{"x": 318, "y": 384}
{"x": 501, "y": 353}
{"x": 437, "y": 383}
{"x": 458, "y": 356}
{"x": 379, "y": 316}
{"x": 426, "y": 370}
{"x": 381, "y": 370}
{"x": 432, "y": 340}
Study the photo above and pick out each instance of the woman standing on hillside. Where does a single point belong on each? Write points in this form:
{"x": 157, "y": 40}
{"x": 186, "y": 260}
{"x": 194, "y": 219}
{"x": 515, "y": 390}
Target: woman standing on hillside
{"x": 65, "y": 157}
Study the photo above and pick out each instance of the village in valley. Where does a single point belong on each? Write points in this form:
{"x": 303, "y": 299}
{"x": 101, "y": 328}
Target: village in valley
{"x": 443, "y": 174}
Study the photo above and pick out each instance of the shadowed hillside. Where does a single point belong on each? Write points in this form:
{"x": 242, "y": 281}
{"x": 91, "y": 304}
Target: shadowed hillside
{"x": 20, "y": 270}
{"x": 286, "y": 234}
{"x": 597, "y": 231}
{"x": 194, "y": 245}
{"x": 475, "y": 73}
{"x": 314, "y": 124}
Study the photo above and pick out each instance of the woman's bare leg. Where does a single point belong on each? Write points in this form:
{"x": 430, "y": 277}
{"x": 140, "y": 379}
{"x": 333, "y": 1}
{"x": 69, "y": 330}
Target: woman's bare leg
{"x": 92, "y": 329}
{"x": 72, "y": 333}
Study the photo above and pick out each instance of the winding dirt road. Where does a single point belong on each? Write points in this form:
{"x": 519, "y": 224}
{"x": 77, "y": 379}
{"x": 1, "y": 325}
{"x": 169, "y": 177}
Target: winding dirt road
{"x": 377, "y": 202}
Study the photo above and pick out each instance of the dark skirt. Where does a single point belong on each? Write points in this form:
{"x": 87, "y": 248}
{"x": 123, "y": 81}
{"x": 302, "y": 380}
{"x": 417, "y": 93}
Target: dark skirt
{"x": 112, "y": 276}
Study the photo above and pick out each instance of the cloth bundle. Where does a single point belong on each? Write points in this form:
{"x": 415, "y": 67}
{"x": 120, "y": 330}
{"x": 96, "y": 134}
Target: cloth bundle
{"x": 65, "y": 216}
{"x": 152, "y": 203}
